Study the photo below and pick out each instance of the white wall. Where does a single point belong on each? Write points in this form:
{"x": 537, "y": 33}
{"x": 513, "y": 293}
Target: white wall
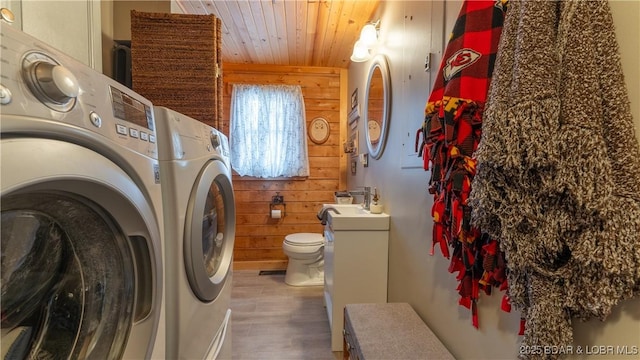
{"x": 410, "y": 29}
{"x": 70, "y": 26}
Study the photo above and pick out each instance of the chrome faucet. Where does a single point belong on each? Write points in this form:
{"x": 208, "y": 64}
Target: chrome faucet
{"x": 366, "y": 193}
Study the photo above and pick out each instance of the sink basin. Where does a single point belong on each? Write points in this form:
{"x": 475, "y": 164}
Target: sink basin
{"x": 354, "y": 217}
{"x": 348, "y": 209}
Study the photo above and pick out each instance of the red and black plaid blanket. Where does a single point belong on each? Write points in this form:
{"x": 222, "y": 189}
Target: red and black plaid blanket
{"x": 451, "y": 132}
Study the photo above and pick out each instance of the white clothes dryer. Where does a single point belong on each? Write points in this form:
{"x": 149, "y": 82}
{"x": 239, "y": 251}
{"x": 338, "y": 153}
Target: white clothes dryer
{"x": 200, "y": 233}
{"x": 81, "y": 210}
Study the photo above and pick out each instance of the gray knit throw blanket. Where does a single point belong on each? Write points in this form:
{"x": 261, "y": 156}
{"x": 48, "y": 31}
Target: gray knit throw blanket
{"x": 558, "y": 176}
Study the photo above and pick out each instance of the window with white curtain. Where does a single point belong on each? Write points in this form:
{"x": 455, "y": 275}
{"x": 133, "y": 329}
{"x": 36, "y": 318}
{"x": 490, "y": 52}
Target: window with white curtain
{"x": 268, "y": 131}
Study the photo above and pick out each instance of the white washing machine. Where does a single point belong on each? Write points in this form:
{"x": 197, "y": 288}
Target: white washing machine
{"x": 81, "y": 210}
{"x": 199, "y": 236}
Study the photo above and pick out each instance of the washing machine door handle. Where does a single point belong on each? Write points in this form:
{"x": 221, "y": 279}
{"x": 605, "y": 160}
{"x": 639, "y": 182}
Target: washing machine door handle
{"x": 218, "y": 340}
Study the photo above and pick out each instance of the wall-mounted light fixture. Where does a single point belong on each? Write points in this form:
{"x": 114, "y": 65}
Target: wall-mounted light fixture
{"x": 368, "y": 39}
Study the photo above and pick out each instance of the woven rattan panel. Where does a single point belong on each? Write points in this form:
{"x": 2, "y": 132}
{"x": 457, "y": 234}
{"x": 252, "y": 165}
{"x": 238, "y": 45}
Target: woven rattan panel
{"x": 175, "y": 62}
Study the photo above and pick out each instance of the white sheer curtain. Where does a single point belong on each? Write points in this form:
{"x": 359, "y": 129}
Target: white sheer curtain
{"x": 268, "y": 131}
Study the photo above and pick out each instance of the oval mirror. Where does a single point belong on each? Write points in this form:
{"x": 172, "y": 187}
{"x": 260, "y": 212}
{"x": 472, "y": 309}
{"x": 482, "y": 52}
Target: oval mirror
{"x": 377, "y": 104}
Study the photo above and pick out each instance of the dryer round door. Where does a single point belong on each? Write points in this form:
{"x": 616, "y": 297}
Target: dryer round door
{"x": 80, "y": 276}
{"x": 210, "y": 231}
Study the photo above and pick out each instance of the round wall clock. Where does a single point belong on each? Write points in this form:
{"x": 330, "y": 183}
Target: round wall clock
{"x": 374, "y": 131}
{"x": 319, "y": 130}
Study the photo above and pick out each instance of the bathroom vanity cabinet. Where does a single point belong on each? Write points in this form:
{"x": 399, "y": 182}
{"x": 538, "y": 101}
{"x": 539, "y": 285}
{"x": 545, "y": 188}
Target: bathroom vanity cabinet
{"x": 355, "y": 271}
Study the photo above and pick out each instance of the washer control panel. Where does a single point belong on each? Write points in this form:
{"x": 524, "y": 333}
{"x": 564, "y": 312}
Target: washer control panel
{"x": 58, "y": 94}
{"x": 134, "y": 111}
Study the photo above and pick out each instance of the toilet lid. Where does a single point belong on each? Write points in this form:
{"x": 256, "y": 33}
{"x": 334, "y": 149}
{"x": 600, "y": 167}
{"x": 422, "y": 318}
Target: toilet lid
{"x": 304, "y": 239}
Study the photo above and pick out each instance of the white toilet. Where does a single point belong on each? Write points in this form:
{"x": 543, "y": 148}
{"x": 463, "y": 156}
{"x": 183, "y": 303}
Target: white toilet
{"x": 306, "y": 259}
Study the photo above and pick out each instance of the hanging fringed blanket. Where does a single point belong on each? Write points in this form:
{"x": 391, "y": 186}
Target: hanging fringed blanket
{"x": 451, "y": 132}
{"x": 558, "y": 168}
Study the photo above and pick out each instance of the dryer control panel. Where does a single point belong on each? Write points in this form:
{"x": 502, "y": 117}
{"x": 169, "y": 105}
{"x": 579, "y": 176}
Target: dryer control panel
{"x": 46, "y": 91}
{"x": 185, "y": 138}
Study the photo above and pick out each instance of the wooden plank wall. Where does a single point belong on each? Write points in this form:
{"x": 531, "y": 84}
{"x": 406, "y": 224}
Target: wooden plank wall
{"x": 258, "y": 237}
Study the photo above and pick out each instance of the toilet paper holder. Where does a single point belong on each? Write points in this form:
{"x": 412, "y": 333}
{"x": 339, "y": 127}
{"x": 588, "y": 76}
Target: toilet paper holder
{"x": 277, "y": 203}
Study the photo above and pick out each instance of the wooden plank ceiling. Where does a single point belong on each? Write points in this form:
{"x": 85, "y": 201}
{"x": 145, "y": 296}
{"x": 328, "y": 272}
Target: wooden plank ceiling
{"x": 287, "y": 32}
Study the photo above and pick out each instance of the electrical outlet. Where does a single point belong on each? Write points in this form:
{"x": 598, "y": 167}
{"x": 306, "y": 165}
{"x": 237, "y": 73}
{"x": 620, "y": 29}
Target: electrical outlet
{"x": 364, "y": 159}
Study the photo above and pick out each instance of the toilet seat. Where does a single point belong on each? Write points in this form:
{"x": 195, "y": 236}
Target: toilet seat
{"x": 306, "y": 259}
{"x": 304, "y": 239}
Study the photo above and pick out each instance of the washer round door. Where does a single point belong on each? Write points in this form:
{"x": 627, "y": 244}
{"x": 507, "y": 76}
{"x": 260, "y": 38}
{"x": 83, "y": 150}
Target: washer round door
{"x": 79, "y": 260}
{"x": 67, "y": 278}
{"x": 210, "y": 231}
